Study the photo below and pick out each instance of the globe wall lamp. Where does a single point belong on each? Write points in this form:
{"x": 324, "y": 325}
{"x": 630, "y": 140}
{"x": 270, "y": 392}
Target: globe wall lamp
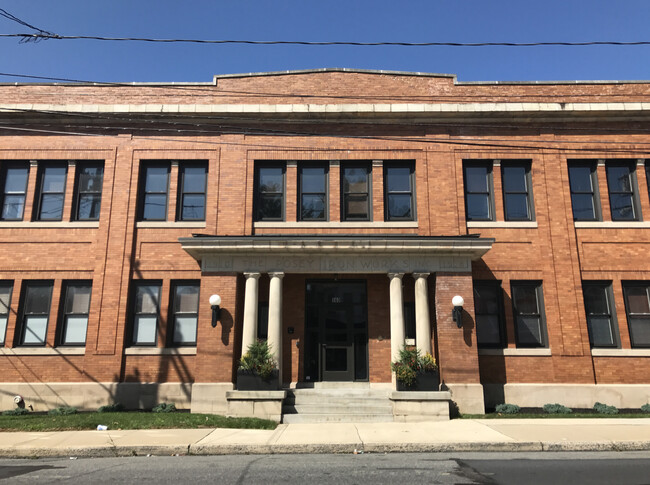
{"x": 457, "y": 313}
{"x": 215, "y": 302}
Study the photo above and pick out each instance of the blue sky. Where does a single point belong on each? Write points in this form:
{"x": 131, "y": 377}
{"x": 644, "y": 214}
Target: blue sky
{"x": 332, "y": 20}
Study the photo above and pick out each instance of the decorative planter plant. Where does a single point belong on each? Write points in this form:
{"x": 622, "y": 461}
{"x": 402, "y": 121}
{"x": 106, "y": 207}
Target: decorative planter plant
{"x": 416, "y": 372}
{"x": 257, "y": 369}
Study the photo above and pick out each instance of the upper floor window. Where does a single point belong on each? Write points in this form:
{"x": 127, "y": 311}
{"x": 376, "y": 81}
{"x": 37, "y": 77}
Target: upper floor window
{"x": 192, "y": 188}
{"x": 6, "y": 288}
{"x": 185, "y": 308}
{"x": 637, "y": 306}
{"x": 479, "y": 201}
{"x": 88, "y": 193}
{"x": 50, "y": 191}
{"x": 155, "y": 187}
{"x": 517, "y": 193}
{"x": 355, "y": 193}
{"x": 398, "y": 192}
{"x": 146, "y": 308}
{"x": 14, "y": 180}
{"x": 313, "y": 193}
{"x": 621, "y": 184}
{"x": 269, "y": 192}
{"x": 583, "y": 183}
{"x": 488, "y": 310}
{"x": 76, "y": 307}
{"x": 528, "y": 310}
{"x": 35, "y": 314}
{"x": 599, "y": 308}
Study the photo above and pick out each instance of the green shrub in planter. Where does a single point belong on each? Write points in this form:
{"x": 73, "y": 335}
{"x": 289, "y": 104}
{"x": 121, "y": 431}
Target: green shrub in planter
{"x": 111, "y": 408}
{"x": 62, "y": 411}
{"x": 507, "y": 408}
{"x": 16, "y": 412}
{"x": 605, "y": 409}
{"x": 556, "y": 409}
{"x": 645, "y": 408}
{"x": 164, "y": 407}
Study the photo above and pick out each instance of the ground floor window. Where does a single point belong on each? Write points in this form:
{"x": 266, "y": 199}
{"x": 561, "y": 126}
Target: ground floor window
{"x": 185, "y": 312}
{"x": 6, "y": 288}
{"x": 146, "y": 305}
{"x": 528, "y": 311}
{"x": 35, "y": 315}
{"x": 601, "y": 318}
{"x": 637, "y": 306}
{"x": 488, "y": 310}
{"x": 76, "y": 306}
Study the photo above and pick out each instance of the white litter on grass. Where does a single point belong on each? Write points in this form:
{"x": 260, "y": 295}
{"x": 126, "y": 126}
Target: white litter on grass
{"x": 102, "y": 427}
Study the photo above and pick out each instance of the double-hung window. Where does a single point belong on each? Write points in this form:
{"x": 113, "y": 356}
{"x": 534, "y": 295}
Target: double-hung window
{"x": 479, "y": 201}
{"x": 50, "y": 191}
{"x": 601, "y": 318}
{"x": 637, "y": 306}
{"x": 14, "y": 180}
{"x": 488, "y": 310}
{"x": 583, "y": 183}
{"x": 528, "y": 310}
{"x": 355, "y": 193}
{"x": 76, "y": 307}
{"x": 399, "y": 183}
{"x": 155, "y": 188}
{"x": 517, "y": 191}
{"x": 6, "y": 288}
{"x": 185, "y": 307}
{"x": 146, "y": 308}
{"x": 269, "y": 192}
{"x": 312, "y": 181}
{"x": 621, "y": 184}
{"x": 35, "y": 313}
{"x": 88, "y": 194}
{"x": 191, "y": 192}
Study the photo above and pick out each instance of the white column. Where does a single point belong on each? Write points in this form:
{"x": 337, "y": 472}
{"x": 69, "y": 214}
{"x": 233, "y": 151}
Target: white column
{"x": 422, "y": 321}
{"x": 396, "y": 315}
{"x": 275, "y": 319}
{"x": 249, "y": 330}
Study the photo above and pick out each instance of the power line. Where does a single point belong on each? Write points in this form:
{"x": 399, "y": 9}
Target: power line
{"x": 13, "y": 18}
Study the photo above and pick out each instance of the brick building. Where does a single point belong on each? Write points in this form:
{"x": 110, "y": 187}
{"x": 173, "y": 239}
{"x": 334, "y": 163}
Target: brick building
{"x": 336, "y": 213}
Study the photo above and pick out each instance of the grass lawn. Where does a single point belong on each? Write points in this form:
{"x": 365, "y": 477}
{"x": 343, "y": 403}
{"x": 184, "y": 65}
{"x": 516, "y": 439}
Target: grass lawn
{"x": 543, "y": 415}
{"x": 128, "y": 420}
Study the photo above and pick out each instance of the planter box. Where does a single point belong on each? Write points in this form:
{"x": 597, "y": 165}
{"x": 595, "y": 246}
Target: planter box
{"x": 424, "y": 381}
{"x": 249, "y": 381}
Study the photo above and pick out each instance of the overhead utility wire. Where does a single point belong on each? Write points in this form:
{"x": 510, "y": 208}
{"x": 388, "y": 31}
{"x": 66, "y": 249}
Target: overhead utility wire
{"x": 13, "y": 18}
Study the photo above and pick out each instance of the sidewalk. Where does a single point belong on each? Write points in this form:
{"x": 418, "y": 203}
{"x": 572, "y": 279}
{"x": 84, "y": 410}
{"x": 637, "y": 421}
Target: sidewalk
{"x": 455, "y": 435}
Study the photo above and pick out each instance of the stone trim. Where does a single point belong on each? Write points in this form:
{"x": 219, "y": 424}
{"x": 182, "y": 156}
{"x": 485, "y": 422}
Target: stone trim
{"x": 49, "y": 225}
{"x": 43, "y": 351}
{"x": 170, "y": 224}
{"x": 336, "y": 225}
{"x": 620, "y": 352}
{"x": 612, "y": 224}
{"x": 160, "y": 351}
{"x": 503, "y": 224}
{"x": 516, "y": 352}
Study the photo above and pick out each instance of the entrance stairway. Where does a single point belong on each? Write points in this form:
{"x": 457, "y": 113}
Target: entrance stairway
{"x": 337, "y": 405}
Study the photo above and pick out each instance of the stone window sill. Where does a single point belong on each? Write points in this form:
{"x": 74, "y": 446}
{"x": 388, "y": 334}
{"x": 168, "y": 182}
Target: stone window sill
{"x": 49, "y": 225}
{"x": 337, "y": 225}
{"x": 170, "y": 224}
{"x": 43, "y": 351}
{"x": 612, "y": 224}
{"x": 516, "y": 352}
{"x": 620, "y": 352}
{"x": 503, "y": 224}
{"x": 160, "y": 351}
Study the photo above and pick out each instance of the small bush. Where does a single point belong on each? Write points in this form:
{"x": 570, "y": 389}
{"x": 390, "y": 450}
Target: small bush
{"x": 258, "y": 359}
{"x": 645, "y": 408}
{"x": 605, "y": 409}
{"x": 111, "y": 408}
{"x": 62, "y": 411}
{"x": 16, "y": 412}
{"x": 507, "y": 409}
{"x": 556, "y": 409}
{"x": 164, "y": 407}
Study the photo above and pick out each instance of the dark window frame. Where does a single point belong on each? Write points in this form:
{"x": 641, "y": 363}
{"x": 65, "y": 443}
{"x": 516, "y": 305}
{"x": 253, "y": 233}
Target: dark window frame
{"x": 5, "y": 314}
{"x": 262, "y": 320}
{"x": 19, "y": 338}
{"x": 501, "y": 320}
{"x": 387, "y": 166}
{"x": 182, "y": 166}
{"x": 345, "y": 195}
{"x": 633, "y": 193}
{"x": 64, "y": 315}
{"x": 80, "y": 195}
{"x": 5, "y": 168}
{"x": 258, "y": 196}
{"x": 144, "y": 167}
{"x": 528, "y": 179}
{"x": 135, "y": 284}
{"x": 606, "y": 286}
{"x": 539, "y": 293}
{"x": 489, "y": 165}
{"x": 410, "y": 326}
{"x": 626, "y": 285}
{"x": 595, "y": 192}
{"x": 40, "y": 193}
{"x": 174, "y": 313}
{"x": 326, "y": 173}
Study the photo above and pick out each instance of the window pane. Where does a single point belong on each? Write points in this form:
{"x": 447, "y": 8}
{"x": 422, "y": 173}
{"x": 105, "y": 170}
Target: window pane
{"x": 78, "y": 299}
{"x": 583, "y": 207}
{"x": 271, "y": 179}
{"x": 5, "y": 298}
{"x": 90, "y": 179}
{"x": 487, "y": 329}
{"x": 485, "y": 299}
{"x": 3, "y": 329}
{"x": 355, "y": 180}
{"x": 356, "y": 206}
{"x": 595, "y": 299}
{"x": 270, "y": 207}
{"x": 622, "y": 206}
{"x": 516, "y": 207}
{"x": 54, "y": 179}
{"x": 16, "y": 180}
{"x": 194, "y": 179}
{"x": 37, "y": 299}
{"x": 313, "y": 179}
{"x": 476, "y": 179}
{"x": 75, "y": 330}
{"x": 529, "y": 330}
{"x": 600, "y": 332}
{"x": 193, "y": 207}
{"x": 478, "y": 206}
{"x": 185, "y": 329}
{"x": 514, "y": 178}
{"x": 313, "y": 207}
{"x": 156, "y": 179}
{"x": 51, "y": 207}
{"x": 186, "y": 299}
{"x": 155, "y": 207}
{"x": 398, "y": 179}
{"x": 35, "y": 329}
{"x": 399, "y": 206}
{"x": 640, "y": 331}
{"x": 144, "y": 329}
{"x": 146, "y": 299}
{"x": 580, "y": 179}
{"x": 525, "y": 299}
{"x": 618, "y": 178}
{"x": 13, "y": 207}
{"x": 637, "y": 299}
{"x": 89, "y": 205}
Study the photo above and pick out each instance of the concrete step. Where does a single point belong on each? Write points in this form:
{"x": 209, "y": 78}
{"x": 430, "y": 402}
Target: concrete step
{"x": 343, "y": 401}
{"x": 336, "y": 418}
{"x": 327, "y": 408}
